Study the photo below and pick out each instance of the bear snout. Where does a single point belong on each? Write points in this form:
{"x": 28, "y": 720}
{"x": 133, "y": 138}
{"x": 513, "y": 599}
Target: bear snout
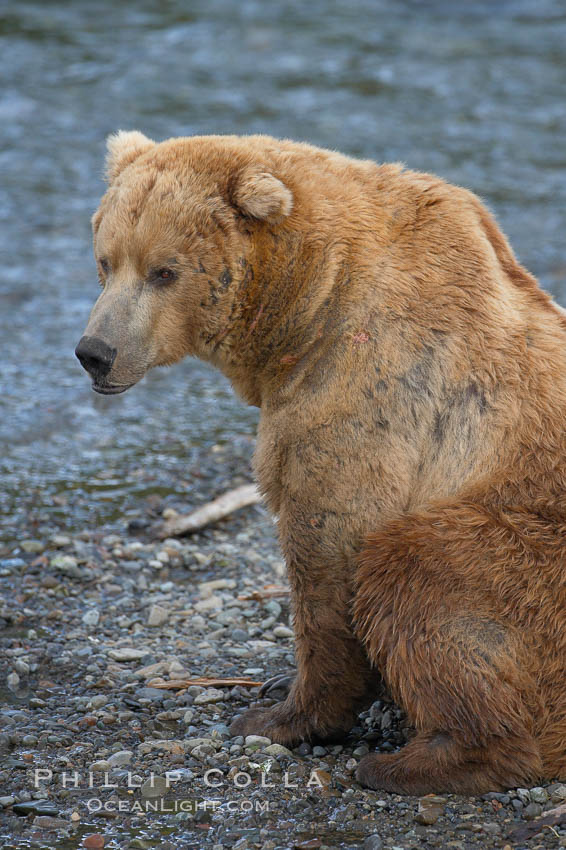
{"x": 95, "y": 356}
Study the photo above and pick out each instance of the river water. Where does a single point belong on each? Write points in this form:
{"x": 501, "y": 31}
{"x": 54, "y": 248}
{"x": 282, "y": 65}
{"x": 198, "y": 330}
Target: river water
{"x": 473, "y": 91}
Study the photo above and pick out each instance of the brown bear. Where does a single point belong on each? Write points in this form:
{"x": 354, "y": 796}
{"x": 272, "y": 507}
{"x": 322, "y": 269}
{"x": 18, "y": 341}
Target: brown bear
{"x": 411, "y": 377}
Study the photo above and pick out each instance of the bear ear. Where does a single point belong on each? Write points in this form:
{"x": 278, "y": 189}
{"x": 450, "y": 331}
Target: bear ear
{"x": 260, "y": 195}
{"x": 123, "y": 148}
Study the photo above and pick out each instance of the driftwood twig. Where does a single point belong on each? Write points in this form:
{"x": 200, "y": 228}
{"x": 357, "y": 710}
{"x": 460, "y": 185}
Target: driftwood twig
{"x": 227, "y": 503}
{"x": 179, "y": 684}
{"x": 554, "y": 817}
{"x": 266, "y": 592}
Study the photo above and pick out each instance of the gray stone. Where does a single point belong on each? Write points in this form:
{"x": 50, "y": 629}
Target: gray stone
{"x": 430, "y": 809}
{"x": 121, "y": 758}
{"x": 373, "y": 842}
{"x": 155, "y": 786}
{"x": 208, "y": 696}
{"x": 532, "y": 811}
{"x": 12, "y": 563}
{"x": 282, "y": 632}
{"x": 278, "y": 750}
{"x": 539, "y": 795}
{"x": 91, "y": 617}
{"x": 557, "y": 792}
{"x": 64, "y": 563}
{"x": 59, "y": 541}
{"x": 153, "y": 694}
{"x": 157, "y": 615}
{"x": 6, "y": 801}
{"x": 48, "y": 822}
{"x": 32, "y": 546}
{"x": 36, "y": 807}
{"x": 191, "y": 743}
{"x": 13, "y": 680}
{"x": 220, "y": 730}
{"x": 101, "y": 766}
{"x": 127, "y": 653}
{"x": 29, "y": 740}
{"x": 257, "y": 741}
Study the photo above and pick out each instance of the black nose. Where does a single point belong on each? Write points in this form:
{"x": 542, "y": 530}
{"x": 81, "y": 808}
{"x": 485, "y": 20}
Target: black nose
{"x": 95, "y": 356}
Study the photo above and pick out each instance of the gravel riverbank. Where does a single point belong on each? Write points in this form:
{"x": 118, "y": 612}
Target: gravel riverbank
{"x": 95, "y": 755}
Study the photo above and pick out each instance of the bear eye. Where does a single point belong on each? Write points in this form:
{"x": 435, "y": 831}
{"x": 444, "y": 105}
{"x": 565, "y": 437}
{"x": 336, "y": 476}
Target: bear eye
{"x": 164, "y": 275}
{"x": 104, "y": 265}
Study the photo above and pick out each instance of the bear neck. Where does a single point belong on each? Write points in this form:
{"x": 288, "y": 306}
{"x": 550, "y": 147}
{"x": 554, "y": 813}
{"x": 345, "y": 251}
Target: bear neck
{"x": 284, "y": 304}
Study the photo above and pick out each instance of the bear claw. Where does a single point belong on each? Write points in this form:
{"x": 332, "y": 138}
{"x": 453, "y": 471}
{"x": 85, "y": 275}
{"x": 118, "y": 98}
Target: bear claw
{"x": 281, "y": 682}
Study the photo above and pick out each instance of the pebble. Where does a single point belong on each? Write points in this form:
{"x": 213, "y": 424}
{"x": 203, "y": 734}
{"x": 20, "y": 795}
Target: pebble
{"x": 557, "y": 792}
{"x": 430, "y": 809}
{"x": 120, "y": 759}
{"x": 206, "y": 587}
{"x": 155, "y": 786}
{"x": 36, "y": 807}
{"x": 32, "y": 546}
{"x": 258, "y": 741}
{"x": 208, "y": 696}
{"x": 152, "y": 694}
{"x": 6, "y": 801}
{"x": 282, "y": 632}
{"x": 539, "y": 795}
{"x": 91, "y": 617}
{"x": 64, "y": 563}
{"x": 94, "y": 841}
{"x": 102, "y": 766}
{"x": 157, "y": 615}
{"x": 208, "y": 604}
{"x": 320, "y": 777}
{"x": 47, "y": 822}
{"x": 532, "y": 811}
{"x": 13, "y": 680}
{"x": 29, "y": 740}
{"x": 373, "y": 842}
{"x": 59, "y": 541}
{"x": 127, "y": 653}
{"x": 278, "y": 750}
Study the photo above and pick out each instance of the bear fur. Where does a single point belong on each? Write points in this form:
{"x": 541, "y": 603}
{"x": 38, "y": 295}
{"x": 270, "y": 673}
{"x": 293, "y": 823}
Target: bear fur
{"x": 411, "y": 377}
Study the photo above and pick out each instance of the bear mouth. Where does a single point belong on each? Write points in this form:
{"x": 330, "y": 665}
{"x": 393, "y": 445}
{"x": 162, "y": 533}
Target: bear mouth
{"x": 110, "y": 389}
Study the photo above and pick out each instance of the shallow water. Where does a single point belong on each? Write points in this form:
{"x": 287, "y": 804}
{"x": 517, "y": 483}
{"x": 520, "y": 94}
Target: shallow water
{"x": 474, "y": 92}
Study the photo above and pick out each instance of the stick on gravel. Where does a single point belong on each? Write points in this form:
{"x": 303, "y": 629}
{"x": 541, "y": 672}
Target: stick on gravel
{"x": 226, "y": 504}
{"x": 178, "y": 684}
{"x": 554, "y": 817}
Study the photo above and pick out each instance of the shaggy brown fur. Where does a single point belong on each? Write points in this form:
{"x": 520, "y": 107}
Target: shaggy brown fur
{"x": 412, "y": 383}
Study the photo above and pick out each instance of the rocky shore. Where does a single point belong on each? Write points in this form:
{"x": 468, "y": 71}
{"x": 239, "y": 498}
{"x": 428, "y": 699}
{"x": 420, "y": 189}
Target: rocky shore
{"x": 98, "y": 751}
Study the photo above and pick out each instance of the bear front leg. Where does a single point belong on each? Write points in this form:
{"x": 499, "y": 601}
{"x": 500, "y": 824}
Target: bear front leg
{"x": 334, "y": 679}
